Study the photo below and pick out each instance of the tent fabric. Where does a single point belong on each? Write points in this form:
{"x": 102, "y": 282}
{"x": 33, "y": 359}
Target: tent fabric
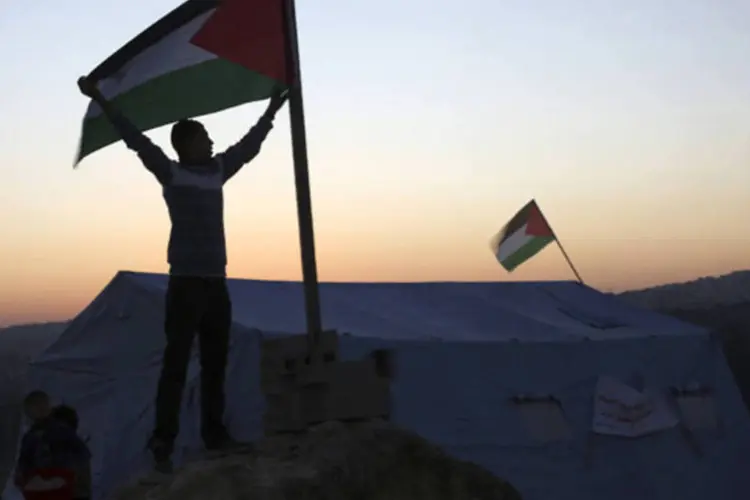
{"x": 527, "y": 312}
{"x": 464, "y": 350}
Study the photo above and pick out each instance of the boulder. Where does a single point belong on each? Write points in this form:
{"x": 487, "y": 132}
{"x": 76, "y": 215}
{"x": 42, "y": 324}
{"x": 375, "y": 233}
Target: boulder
{"x": 333, "y": 461}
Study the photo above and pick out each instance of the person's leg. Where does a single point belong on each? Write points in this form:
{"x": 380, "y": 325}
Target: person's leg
{"x": 183, "y": 308}
{"x": 214, "y": 348}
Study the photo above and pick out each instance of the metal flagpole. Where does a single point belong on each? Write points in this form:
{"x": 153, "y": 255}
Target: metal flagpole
{"x": 559, "y": 244}
{"x": 301, "y": 176}
{"x": 570, "y": 263}
{"x": 365, "y": 392}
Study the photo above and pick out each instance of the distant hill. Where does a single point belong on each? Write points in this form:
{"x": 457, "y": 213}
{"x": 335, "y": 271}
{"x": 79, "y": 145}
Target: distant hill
{"x": 28, "y": 340}
{"x": 18, "y": 345}
{"x": 703, "y": 293}
{"x": 721, "y": 304}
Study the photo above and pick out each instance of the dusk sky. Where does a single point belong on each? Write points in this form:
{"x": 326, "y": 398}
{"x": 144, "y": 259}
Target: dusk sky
{"x": 430, "y": 123}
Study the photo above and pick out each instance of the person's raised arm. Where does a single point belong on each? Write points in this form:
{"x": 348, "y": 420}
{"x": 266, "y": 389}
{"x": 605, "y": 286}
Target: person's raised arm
{"x": 240, "y": 154}
{"x": 151, "y": 155}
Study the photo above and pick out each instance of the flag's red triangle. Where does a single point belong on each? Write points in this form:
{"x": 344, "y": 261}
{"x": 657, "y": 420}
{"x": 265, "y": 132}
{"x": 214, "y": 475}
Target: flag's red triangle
{"x": 249, "y": 33}
{"x": 536, "y": 224}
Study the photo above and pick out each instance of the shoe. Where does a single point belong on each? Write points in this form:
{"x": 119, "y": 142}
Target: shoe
{"x": 161, "y": 450}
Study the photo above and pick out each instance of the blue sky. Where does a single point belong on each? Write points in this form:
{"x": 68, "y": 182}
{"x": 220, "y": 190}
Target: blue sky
{"x": 430, "y": 123}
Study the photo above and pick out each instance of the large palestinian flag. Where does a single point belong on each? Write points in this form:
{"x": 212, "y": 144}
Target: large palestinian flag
{"x": 524, "y": 236}
{"x": 203, "y": 57}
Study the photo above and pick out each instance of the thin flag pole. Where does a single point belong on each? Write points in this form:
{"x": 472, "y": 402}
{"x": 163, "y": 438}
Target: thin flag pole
{"x": 560, "y": 245}
{"x": 301, "y": 176}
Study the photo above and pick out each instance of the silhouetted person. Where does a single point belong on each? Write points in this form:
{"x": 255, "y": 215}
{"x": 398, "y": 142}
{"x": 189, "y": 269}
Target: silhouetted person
{"x": 197, "y": 297}
{"x": 49, "y": 452}
{"x": 81, "y": 466}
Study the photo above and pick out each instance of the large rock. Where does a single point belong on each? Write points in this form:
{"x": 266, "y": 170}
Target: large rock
{"x": 334, "y": 461}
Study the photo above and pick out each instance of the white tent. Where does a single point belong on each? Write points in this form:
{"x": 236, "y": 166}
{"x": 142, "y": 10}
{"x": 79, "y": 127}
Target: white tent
{"x": 467, "y": 354}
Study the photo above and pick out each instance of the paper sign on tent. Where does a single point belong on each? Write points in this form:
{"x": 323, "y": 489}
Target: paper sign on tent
{"x": 620, "y": 410}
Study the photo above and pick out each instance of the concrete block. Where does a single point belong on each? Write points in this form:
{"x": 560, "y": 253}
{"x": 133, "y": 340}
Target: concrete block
{"x": 314, "y": 403}
{"x": 356, "y": 391}
{"x": 293, "y": 349}
{"x": 303, "y": 389}
{"x": 385, "y": 363}
{"x": 287, "y": 357}
{"x": 349, "y": 390}
{"x": 280, "y": 384}
{"x": 284, "y": 413}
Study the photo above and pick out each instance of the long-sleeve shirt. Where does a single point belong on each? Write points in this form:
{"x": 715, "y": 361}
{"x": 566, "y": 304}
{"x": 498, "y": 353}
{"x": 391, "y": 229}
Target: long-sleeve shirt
{"x": 194, "y": 197}
{"x": 49, "y": 444}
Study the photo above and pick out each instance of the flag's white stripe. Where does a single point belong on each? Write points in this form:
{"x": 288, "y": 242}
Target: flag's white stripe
{"x": 171, "y": 53}
{"x": 514, "y": 243}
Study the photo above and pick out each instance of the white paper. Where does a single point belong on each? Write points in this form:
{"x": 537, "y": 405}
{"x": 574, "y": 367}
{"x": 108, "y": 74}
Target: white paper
{"x": 620, "y": 410}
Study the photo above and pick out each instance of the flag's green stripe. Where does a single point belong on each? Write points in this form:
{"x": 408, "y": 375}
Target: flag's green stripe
{"x": 197, "y": 90}
{"x": 526, "y": 252}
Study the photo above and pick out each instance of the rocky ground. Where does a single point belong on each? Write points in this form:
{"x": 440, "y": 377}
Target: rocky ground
{"x": 334, "y": 461}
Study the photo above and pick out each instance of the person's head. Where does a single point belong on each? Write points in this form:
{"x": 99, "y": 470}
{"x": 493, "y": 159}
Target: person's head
{"x": 36, "y": 405}
{"x": 65, "y": 414}
{"x": 191, "y": 142}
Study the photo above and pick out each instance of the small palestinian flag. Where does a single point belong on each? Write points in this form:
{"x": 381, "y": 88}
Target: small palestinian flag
{"x": 524, "y": 236}
{"x": 204, "y": 56}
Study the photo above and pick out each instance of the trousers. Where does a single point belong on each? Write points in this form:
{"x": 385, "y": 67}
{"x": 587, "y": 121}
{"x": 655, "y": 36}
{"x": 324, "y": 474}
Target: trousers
{"x": 202, "y": 306}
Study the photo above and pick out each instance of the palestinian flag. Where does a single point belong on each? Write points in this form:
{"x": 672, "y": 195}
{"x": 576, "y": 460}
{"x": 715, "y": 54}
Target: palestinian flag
{"x": 204, "y": 56}
{"x": 524, "y": 236}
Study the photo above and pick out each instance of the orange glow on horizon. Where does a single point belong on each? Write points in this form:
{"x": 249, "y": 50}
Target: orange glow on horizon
{"x": 631, "y": 136}
{"x": 59, "y": 288}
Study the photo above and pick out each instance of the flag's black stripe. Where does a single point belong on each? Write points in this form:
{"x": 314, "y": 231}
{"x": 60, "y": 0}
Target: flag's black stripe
{"x": 180, "y": 16}
{"x": 516, "y": 222}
